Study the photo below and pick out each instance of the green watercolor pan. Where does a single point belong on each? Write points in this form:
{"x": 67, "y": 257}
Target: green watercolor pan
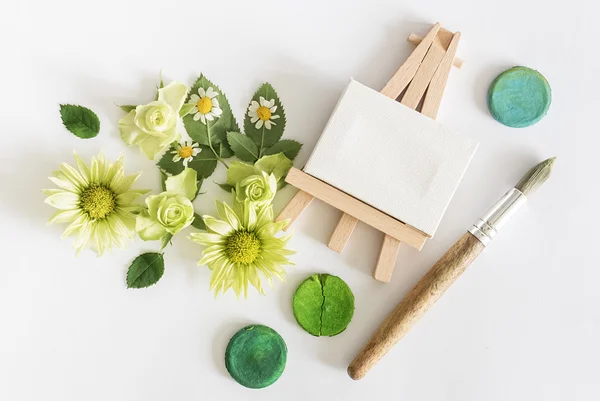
{"x": 323, "y": 305}
{"x": 519, "y": 97}
{"x": 255, "y": 356}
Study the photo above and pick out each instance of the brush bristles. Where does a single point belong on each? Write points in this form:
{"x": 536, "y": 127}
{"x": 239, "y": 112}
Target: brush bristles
{"x": 535, "y": 177}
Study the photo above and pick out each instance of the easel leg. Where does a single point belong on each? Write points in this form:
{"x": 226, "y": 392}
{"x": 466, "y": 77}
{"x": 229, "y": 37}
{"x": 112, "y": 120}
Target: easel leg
{"x": 387, "y": 259}
{"x": 294, "y": 209}
{"x": 342, "y": 232}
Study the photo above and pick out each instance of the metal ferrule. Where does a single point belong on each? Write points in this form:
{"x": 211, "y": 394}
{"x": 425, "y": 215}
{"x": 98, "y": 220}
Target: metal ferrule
{"x": 486, "y": 228}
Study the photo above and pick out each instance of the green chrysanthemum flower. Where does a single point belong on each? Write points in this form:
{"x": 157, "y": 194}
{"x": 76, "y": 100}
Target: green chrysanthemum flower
{"x": 96, "y": 201}
{"x": 241, "y": 246}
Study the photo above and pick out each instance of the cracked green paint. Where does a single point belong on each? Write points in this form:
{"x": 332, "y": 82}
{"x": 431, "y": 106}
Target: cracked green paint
{"x": 256, "y": 356}
{"x": 323, "y": 305}
{"x": 519, "y": 97}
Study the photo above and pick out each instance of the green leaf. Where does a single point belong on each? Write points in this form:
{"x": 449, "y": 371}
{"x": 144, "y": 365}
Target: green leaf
{"x": 127, "y": 107}
{"x": 185, "y": 109}
{"x": 198, "y": 222}
{"x": 215, "y": 131}
{"x": 164, "y": 241}
{"x": 277, "y": 164}
{"x": 226, "y": 187}
{"x": 167, "y": 164}
{"x": 145, "y": 270}
{"x": 80, "y": 120}
{"x": 204, "y": 163}
{"x": 242, "y": 147}
{"x": 199, "y": 185}
{"x": 265, "y": 138}
{"x": 223, "y": 150}
{"x": 288, "y": 147}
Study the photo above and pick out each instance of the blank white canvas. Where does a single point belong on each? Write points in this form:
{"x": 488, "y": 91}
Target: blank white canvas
{"x": 392, "y": 157}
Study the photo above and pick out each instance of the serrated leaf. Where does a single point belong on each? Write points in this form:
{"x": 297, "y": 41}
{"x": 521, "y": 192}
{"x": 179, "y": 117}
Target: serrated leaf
{"x": 185, "y": 109}
{"x": 226, "y": 187}
{"x": 81, "y": 121}
{"x": 223, "y": 150}
{"x": 213, "y": 132}
{"x": 288, "y": 147}
{"x": 145, "y": 270}
{"x": 204, "y": 162}
{"x": 265, "y": 138}
{"x": 167, "y": 164}
{"x": 198, "y": 222}
{"x": 242, "y": 147}
{"x": 127, "y": 107}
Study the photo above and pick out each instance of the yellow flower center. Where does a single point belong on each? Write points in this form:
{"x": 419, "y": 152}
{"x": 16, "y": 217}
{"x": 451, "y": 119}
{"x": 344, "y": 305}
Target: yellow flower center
{"x": 97, "y": 201}
{"x": 242, "y": 247}
{"x": 263, "y": 113}
{"x": 204, "y": 105}
{"x": 185, "y": 152}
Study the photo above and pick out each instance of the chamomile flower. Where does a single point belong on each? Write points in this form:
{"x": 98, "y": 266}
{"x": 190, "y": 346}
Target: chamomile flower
{"x": 206, "y": 105}
{"x": 185, "y": 152}
{"x": 261, "y": 113}
{"x": 241, "y": 246}
{"x": 96, "y": 201}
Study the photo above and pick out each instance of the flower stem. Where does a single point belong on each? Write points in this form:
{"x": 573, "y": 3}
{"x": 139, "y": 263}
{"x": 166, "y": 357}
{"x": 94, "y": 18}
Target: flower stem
{"x": 219, "y": 158}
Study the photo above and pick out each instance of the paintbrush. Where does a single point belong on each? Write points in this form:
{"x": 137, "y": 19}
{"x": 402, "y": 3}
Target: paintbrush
{"x": 446, "y": 271}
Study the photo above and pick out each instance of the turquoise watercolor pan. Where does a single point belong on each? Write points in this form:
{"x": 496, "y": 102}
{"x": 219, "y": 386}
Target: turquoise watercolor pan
{"x": 519, "y": 97}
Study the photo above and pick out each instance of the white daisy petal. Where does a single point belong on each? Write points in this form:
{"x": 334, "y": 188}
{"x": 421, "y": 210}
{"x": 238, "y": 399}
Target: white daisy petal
{"x": 201, "y": 92}
{"x": 268, "y": 124}
{"x": 273, "y": 109}
{"x": 262, "y": 100}
{"x": 254, "y": 119}
{"x": 259, "y": 124}
{"x": 274, "y": 117}
{"x": 197, "y": 116}
{"x": 202, "y": 118}
{"x": 216, "y": 111}
{"x": 194, "y": 98}
{"x": 215, "y": 102}
{"x": 209, "y": 116}
{"x": 211, "y": 93}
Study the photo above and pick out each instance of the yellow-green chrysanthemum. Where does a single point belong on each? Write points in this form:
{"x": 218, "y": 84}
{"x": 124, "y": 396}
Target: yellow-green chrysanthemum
{"x": 96, "y": 201}
{"x": 241, "y": 246}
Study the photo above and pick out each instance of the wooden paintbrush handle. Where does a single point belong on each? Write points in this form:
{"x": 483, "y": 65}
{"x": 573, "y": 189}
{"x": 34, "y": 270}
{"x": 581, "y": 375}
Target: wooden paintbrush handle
{"x": 416, "y": 303}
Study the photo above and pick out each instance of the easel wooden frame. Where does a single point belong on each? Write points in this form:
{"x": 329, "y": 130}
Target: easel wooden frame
{"x": 422, "y": 80}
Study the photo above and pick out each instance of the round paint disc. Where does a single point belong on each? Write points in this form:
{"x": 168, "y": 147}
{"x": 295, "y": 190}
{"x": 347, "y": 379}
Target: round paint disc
{"x": 519, "y": 97}
{"x": 323, "y": 305}
{"x": 256, "y": 356}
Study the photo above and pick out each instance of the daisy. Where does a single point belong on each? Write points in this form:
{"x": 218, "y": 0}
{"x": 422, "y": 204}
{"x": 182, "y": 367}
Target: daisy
{"x": 186, "y": 152}
{"x": 241, "y": 246}
{"x": 96, "y": 201}
{"x": 206, "y": 105}
{"x": 262, "y": 113}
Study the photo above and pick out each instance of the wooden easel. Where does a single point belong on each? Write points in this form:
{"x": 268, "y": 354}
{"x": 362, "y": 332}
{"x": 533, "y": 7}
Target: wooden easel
{"x": 422, "y": 80}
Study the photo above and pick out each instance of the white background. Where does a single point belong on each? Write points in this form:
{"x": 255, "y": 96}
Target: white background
{"x": 521, "y": 324}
